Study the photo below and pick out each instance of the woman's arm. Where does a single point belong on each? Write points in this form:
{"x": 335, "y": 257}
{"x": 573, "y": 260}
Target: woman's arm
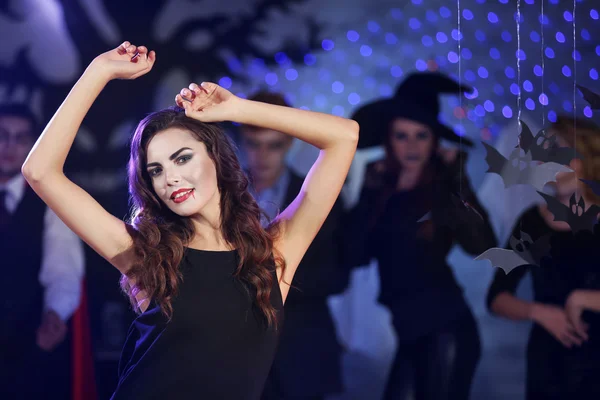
{"x": 502, "y": 301}
{"x": 588, "y": 299}
{"x": 43, "y": 168}
{"x": 336, "y": 137}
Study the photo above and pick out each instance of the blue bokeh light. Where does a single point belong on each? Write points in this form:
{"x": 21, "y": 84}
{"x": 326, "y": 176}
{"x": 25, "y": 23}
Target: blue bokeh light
{"x": 225, "y": 82}
{"x": 530, "y": 104}
{"x": 337, "y": 87}
{"x": 441, "y": 37}
{"x": 587, "y": 111}
{"x": 291, "y": 74}
{"x": 414, "y": 23}
{"x": 445, "y": 12}
{"x": 310, "y": 59}
{"x": 373, "y": 26}
{"x": 483, "y": 72}
{"x": 327, "y": 44}
{"x": 390, "y": 38}
{"x": 352, "y": 36}
{"x": 353, "y": 98}
{"x": 365, "y": 50}
{"x": 494, "y": 53}
{"x": 271, "y": 79}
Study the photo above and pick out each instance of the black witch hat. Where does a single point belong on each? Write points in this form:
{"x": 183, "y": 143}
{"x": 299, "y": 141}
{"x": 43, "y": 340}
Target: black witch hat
{"x": 417, "y": 99}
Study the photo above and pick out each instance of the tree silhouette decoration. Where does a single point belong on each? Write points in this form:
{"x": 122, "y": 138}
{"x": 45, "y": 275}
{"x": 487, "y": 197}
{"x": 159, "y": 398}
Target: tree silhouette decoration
{"x": 103, "y": 160}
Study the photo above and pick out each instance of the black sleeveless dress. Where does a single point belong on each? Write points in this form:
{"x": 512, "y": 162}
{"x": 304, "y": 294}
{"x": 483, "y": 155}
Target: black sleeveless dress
{"x": 217, "y": 344}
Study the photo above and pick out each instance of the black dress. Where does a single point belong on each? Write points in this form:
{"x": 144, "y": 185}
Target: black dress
{"x": 438, "y": 341}
{"x": 555, "y": 372}
{"x": 217, "y": 344}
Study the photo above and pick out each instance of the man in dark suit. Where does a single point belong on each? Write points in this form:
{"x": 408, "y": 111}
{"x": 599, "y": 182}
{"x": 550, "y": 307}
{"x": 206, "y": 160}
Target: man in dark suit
{"x": 42, "y": 269}
{"x": 307, "y": 364}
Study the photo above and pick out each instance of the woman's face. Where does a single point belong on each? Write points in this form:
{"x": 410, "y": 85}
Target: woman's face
{"x": 183, "y": 175}
{"x": 412, "y": 143}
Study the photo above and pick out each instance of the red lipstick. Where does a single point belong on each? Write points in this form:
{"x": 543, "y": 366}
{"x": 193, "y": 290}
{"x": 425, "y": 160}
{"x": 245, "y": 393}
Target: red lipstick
{"x": 181, "y": 195}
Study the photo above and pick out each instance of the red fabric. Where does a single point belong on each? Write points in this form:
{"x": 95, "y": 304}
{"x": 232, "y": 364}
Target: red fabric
{"x": 83, "y": 378}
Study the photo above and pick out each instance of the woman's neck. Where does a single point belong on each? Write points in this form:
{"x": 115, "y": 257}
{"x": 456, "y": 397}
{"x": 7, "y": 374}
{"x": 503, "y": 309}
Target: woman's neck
{"x": 208, "y": 230}
{"x": 409, "y": 178}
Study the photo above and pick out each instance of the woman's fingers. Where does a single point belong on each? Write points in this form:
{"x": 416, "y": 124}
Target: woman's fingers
{"x": 122, "y": 49}
{"x": 197, "y": 90}
{"x": 571, "y": 335}
{"x": 179, "y": 101}
{"x": 580, "y": 329}
{"x": 187, "y": 94}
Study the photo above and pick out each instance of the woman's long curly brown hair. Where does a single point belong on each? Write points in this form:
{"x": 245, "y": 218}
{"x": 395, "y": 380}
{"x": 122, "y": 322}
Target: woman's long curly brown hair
{"x": 159, "y": 235}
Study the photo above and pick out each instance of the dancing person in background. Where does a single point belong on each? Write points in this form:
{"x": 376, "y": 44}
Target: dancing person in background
{"x": 438, "y": 340}
{"x": 307, "y": 364}
{"x": 562, "y": 350}
{"x": 208, "y": 280}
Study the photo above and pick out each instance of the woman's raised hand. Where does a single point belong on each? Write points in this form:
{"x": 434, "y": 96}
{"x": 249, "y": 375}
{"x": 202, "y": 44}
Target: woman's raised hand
{"x": 127, "y": 61}
{"x": 208, "y": 102}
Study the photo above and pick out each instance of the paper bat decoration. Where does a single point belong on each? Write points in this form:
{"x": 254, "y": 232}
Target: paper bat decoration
{"x": 571, "y": 213}
{"x": 595, "y": 185}
{"x": 463, "y": 210}
{"x": 519, "y": 170}
{"x": 590, "y": 97}
{"x": 524, "y": 251}
{"x": 543, "y": 147}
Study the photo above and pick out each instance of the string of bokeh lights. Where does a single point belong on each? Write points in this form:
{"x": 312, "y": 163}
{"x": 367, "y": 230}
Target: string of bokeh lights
{"x": 373, "y": 57}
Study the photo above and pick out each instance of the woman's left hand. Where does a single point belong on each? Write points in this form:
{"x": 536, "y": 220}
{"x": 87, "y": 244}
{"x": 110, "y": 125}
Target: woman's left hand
{"x": 574, "y": 309}
{"x": 208, "y": 102}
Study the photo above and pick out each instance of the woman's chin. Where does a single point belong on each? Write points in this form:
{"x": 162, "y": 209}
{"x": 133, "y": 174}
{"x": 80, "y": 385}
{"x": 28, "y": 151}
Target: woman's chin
{"x": 412, "y": 165}
{"x": 186, "y": 210}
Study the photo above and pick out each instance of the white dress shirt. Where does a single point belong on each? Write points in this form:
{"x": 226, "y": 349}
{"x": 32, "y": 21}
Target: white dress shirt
{"x": 62, "y": 266}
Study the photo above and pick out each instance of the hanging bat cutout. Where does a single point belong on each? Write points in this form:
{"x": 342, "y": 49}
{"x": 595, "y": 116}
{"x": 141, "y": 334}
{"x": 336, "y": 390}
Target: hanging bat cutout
{"x": 425, "y": 217}
{"x": 544, "y": 147}
{"x": 595, "y": 185}
{"x": 524, "y": 251}
{"x": 462, "y": 212}
{"x": 574, "y": 214}
{"x": 519, "y": 169}
{"x": 590, "y": 97}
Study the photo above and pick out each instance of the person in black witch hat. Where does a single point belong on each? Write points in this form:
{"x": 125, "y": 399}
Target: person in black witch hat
{"x": 438, "y": 340}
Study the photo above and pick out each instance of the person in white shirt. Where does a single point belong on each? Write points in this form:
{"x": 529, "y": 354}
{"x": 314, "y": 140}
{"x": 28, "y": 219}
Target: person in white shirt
{"x": 42, "y": 270}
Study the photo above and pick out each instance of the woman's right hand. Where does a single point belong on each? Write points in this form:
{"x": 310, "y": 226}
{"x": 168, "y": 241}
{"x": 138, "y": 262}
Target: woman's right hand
{"x": 554, "y": 319}
{"x": 127, "y": 61}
